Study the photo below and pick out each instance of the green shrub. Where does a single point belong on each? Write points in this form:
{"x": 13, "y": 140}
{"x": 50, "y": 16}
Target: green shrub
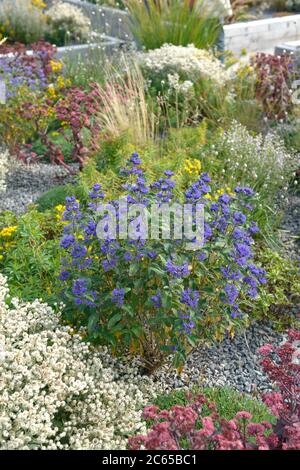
{"x": 31, "y": 255}
{"x": 282, "y": 291}
{"x": 187, "y": 84}
{"x": 57, "y": 196}
{"x": 154, "y": 297}
{"x": 67, "y": 23}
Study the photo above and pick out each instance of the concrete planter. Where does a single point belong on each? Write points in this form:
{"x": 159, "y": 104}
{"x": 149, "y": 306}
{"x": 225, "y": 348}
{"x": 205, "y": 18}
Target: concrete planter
{"x": 82, "y": 52}
{"x": 261, "y": 35}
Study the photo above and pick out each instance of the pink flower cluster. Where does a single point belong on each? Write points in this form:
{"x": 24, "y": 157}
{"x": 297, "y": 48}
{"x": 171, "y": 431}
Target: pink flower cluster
{"x": 185, "y": 426}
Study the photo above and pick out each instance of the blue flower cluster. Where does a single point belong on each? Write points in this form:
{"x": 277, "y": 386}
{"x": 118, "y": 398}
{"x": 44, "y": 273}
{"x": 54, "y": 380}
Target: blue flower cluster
{"x": 16, "y": 72}
{"x": 171, "y": 290}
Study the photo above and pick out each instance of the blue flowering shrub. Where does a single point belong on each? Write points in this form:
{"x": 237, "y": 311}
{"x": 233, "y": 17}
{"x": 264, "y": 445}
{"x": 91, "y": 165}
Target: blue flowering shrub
{"x": 155, "y": 298}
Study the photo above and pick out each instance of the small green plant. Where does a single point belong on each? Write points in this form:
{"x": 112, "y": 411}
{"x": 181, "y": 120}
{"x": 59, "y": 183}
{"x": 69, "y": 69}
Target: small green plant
{"x": 228, "y": 402}
{"x": 262, "y": 161}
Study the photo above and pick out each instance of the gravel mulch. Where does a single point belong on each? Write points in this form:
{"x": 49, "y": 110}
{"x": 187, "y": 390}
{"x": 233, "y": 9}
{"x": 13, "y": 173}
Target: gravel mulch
{"x": 26, "y": 183}
{"x": 234, "y": 362}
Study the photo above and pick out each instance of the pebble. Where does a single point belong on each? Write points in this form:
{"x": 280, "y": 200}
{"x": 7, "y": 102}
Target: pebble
{"x": 26, "y": 183}
{"x": 234, "y": 363}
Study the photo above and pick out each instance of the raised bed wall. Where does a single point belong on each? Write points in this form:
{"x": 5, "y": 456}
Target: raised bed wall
{"x": 110, "y": 21}
{"x": 262, "y": 35}
{"x": 253, "y": 36}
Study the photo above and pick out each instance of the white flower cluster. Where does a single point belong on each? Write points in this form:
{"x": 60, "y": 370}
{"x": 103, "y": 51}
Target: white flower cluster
{"x": 3, "y": 170}
{"x": 174, "y": 83}
{"x": 56, "y": 392}
{"x": 259, "y": 161}
{"x": 189, "y": 63}
{"x": 69, "y": 18}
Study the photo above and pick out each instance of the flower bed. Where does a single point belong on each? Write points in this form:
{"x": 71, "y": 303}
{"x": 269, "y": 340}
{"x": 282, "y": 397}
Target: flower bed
{"x": 107, "y": 307}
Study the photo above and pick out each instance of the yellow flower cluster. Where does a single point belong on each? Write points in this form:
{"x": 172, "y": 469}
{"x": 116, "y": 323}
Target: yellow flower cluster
{"x": 226, "y": 190}
{"x": 38, "y": 4}
{"x": 219, "y": 193}
{"x": 51, "y": 91}
{"x": 192, "y": 166}
{"x": 244, "y": 71}
{"x": 56, "y": 65}
{"x": 60, "y": 209}
{"x": 54, "y": 89}
{"x": 8, "y": 231}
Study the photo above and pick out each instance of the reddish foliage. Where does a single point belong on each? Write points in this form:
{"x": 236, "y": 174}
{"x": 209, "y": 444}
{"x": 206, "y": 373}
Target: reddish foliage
{"x": 181, "y": 423}
{"x": 77, "y": 111}
{"x": 275, "y": 75}
{"x": 74, "y": 113}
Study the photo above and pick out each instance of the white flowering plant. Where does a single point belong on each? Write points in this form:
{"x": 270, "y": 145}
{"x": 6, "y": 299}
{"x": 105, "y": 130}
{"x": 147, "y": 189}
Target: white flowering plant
{"x": 58, "y": 393}
{"x": 262, "y": 161}
{"x": 67, "y": 23}
{"x": 187, "y": 63}
{"x": 185, "y": 79}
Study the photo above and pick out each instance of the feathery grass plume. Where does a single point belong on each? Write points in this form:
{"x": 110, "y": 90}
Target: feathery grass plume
{"x": 125, "y": 107}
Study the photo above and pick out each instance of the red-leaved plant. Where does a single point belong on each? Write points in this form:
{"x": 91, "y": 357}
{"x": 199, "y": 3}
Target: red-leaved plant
{"x": 185, "y": 427}
{"x": 275, "y": 75}
{"x": 75, "y": 116}
{"x": 77, "y": 111}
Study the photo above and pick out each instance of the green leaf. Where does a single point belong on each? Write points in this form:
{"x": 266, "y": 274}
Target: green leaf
{"x": 113, "y": 320}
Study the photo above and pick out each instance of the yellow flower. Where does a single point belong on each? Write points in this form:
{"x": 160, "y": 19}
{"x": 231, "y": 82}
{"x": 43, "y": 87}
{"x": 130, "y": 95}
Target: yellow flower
{"x": 38, "y": 4}
{"x": 51, "y": 91}
{"x": 61, "y": 82}
{"x": 192, "y": 166}
{"x": 1, "y": 257}
{"x": 207, "y": 196}
{"x": 60, "y": 209}
{"x": 56, "y": 65}
{"x": 8, "y": 231}
{"x": 8, "y": 245}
